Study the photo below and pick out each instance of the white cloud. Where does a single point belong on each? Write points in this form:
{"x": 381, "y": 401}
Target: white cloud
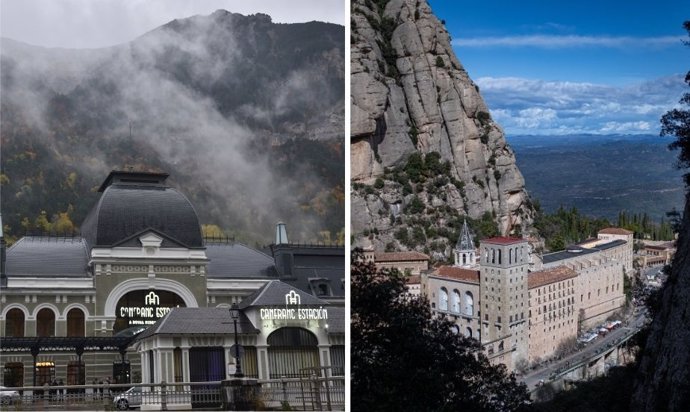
{"x": 562, "y": 41}
{"x": 528, "y": 106}
{"x": 626, "y": 127}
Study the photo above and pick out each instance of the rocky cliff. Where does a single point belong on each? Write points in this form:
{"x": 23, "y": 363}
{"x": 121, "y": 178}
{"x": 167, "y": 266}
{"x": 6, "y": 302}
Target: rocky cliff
{"x": 663, "y": 378}
{"x": 425, "y": 152}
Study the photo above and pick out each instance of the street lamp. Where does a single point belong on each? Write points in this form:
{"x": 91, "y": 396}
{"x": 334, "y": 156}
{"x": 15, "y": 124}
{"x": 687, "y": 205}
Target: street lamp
{"x": 235, "y": 313}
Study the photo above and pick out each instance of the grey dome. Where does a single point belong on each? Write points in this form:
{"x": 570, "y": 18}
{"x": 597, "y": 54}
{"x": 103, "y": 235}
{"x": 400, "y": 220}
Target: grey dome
{"x": 133, "y": 203}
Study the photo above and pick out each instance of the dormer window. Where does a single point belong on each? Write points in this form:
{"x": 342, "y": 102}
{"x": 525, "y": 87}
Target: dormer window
{"x": 320, "y": 287}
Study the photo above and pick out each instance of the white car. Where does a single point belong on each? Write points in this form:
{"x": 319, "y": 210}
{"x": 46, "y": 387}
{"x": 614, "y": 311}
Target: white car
{"x": 8, "y": 396}
{"x": 131, "y": 398}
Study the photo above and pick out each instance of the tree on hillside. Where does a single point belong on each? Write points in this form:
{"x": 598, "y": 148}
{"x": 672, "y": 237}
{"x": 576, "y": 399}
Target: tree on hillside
{"x": 676, "y": 123}
{"x": 404, "y": 358}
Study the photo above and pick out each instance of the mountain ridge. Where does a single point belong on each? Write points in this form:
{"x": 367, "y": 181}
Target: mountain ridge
{"x": 242, "y": 128}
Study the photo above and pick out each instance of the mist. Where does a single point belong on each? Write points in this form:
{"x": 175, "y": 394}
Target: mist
{"x": 200, "y": 98}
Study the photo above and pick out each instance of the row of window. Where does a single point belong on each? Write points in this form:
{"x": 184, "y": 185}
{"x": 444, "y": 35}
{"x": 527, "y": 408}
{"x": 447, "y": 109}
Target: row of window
{"x": 468, "y": 302}
{"x": 495, "y": 256}
{"x": 45, "y": 323}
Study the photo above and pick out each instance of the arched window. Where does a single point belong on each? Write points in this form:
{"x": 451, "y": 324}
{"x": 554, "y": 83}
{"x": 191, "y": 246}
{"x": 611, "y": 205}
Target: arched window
{"x": 14, "y": 323}
{"x": 500, "y": 347}
{"x": 469, "y": 304}
{"x": 443, "y": 299}
{"x": 45, "y": 322}
{"x": 75, "y": 323}
{"x": 469, "y": 332}
{"x": 455, "y": 303}
{"x": 290, "y": 351}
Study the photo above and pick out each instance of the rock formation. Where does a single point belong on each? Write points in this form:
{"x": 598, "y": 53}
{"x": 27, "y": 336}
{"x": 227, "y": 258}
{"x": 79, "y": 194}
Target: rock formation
{"x": 410, "y": 95}
{"x": 663, "y": 378}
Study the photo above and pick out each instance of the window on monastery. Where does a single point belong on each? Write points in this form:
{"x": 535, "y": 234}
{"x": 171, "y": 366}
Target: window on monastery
{"x": 75, "y": 322}
{"x": 469, "y": 304}
{"x": 14, "y": 323}
{"x": 45, "y": 323}
{"x": 455, "y": 302}
{"x": 443, "y": 299}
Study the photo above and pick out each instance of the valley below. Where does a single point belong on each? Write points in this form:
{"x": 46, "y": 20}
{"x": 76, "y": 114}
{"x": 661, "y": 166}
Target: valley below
{"x": 601, "y": 175}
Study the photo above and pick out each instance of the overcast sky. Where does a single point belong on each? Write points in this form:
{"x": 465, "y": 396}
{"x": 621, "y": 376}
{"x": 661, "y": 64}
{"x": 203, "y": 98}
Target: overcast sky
{"x": 100, "y": 23}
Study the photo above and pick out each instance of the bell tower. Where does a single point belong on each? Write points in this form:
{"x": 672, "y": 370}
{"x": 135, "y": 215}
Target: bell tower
{"x": 464, "y": 250}
{"x": 504, "y": 299}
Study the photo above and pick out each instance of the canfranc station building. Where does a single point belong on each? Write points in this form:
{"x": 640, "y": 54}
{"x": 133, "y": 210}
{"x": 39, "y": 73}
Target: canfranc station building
{"x": 522, "y": 306}
{"x": 71, "y": 307}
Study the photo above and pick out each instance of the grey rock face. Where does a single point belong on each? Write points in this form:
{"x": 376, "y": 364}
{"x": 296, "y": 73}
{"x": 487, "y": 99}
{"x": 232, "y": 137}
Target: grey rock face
{"x": 411, "y": 94}
{"x": 663, "y": 378}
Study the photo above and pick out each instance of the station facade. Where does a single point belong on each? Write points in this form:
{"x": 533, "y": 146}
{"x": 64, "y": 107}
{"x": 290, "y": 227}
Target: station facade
{"x": 141, "y": 256}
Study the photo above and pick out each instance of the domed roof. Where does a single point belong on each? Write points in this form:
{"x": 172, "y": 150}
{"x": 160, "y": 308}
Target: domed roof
{"x": 134, "y": 202}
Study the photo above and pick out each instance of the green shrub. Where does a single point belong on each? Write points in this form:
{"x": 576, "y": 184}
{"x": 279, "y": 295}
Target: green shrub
{"x": 483, "y": 118}
{"x": 407, "y": 189}
{"x": 439, "y": 62}
{"x": 415, "y": 206}
{"x": 401, "y": 234}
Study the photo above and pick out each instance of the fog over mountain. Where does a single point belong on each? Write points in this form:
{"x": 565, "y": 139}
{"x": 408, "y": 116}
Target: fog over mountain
{"x": 246, "y": 115}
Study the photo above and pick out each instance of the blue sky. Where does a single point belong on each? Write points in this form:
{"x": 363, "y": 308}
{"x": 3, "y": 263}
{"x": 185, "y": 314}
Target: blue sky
{"x": 549, "y": 67}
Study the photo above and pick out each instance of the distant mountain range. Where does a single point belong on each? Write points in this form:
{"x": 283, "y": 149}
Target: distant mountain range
{"x": 601, "y": 175}
{"x": 246, "y": 115}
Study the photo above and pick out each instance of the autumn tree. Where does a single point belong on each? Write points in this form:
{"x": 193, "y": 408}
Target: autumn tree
{"x": 404, "y": 358}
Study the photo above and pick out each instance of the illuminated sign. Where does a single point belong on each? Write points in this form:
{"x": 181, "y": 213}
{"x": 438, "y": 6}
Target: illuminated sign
{"x": 293, "y": 313}
{"x": 131, "y": 310}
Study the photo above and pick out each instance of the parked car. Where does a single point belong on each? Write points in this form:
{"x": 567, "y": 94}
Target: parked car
{"x": 131, "y": 398}
{"x": 8, "y": 396}
{"x": 588, "y": 337}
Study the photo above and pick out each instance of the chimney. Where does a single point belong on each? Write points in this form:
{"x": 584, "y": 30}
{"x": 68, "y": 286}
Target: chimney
{"x": 281, "y": 234}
